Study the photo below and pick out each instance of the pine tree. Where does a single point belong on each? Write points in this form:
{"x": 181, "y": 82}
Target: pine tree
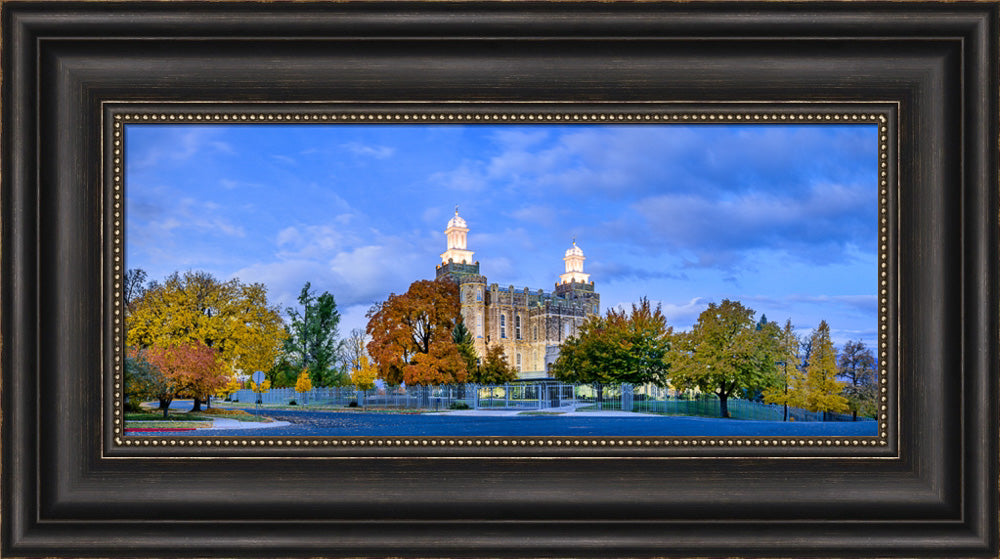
{"x": 466, "y": 348}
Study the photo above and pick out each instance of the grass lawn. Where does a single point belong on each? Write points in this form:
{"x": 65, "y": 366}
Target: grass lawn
{"x": 204, "y": 416}
{"x": 169, "y": 424}
{"x": 319, "y": 407}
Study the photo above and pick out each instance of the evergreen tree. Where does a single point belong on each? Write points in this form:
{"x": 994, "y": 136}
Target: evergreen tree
{"x": 495, "y": 368}
{"x": 466, "y": 348}
{"x": 312, "y": 337}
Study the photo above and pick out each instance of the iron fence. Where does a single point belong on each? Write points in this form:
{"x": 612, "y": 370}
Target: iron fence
{"x": 537, "y": 395}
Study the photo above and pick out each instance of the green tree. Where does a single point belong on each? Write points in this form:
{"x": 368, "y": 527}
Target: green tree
{"x": 283, "y": 374}
{"x": 822, "y": 389}
{"x": 466, "y": 348}
{"x": 857, "y": 368}
{"x": 725, "y": 353}
{"x": 495, "y": 369}
{"x": 791, "y": 379}
{"x": 312, "y": 337}
{"x": 143, "y": 381}
{"x": 583, "y": 358}
{"x": 621, "y": 346}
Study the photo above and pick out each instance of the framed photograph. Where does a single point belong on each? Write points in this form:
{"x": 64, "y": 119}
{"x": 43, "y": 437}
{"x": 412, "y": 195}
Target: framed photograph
{"x": 492, "y": 279}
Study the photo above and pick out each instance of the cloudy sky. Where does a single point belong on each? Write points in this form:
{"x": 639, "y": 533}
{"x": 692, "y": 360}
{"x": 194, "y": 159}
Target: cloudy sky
{"x": 780, "y": 217}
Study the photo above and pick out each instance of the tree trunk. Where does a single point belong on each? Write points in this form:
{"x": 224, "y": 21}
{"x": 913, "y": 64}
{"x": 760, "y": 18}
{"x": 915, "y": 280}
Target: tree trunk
{"x": 723, "y": 405}
{"x": 208, "y": 402}
{"x": 165, "y": 406}
{"x": 600, "y": 392}
{"x": 197, "y": 404}
{"x": 854, "y": 415}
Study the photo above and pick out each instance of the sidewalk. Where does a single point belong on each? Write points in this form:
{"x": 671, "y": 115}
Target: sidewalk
{"x": 563, "y": 411}
{"x": 235, "y": 424}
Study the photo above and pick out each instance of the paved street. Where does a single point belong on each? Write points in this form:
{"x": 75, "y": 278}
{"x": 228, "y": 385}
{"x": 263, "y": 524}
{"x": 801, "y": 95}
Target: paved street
{"x": 312, "y": 423}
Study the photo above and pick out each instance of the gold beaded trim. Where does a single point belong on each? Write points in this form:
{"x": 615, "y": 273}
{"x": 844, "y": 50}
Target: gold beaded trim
{"x": 160, "y": 117}
{"x": 487, "y": 442}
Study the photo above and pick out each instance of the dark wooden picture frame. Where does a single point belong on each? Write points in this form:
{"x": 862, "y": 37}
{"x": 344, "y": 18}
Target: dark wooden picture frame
{"x": 66, "y": 491}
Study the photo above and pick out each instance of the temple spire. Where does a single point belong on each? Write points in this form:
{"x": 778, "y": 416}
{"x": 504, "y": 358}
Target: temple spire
{"x": 574, "y": 265}
{"x": 457, "y": 251}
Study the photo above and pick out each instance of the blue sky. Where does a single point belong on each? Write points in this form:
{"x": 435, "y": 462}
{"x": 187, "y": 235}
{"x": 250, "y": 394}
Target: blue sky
{"x": 780, "y": 217}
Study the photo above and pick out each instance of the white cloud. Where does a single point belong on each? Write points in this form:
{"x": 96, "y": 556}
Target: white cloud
{"x": 467, "y": 177}
{"x": 283, "y": 159}
{"x": 180, "y": 144}
{"x": 377, "y": 152}
{"x": 535, "y": 214}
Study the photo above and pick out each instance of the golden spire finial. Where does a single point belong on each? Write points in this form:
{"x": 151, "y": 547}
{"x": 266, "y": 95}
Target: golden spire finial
{"x": 574, "y": 240}
{"x": 456, "y": 209}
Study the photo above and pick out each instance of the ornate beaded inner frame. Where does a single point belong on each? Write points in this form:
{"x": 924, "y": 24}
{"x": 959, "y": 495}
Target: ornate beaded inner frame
{"x": 118, "y": 117}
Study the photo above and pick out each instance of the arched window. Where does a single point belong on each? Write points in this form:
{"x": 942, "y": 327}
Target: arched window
{"x": 517, "y": 327}
{"x": 479, "y": 294}
{"x": 519, "y": 361}
{"x": 566, "y": 330}
{"x": 503, "y": 326}
{"x": 536, "y": 332}
{"x": 479, "y": 324}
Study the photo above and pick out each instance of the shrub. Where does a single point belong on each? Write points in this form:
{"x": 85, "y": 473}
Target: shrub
{"x": 292, "y": 403}
{"x": 352, "y": 404}
{"x": 133, "y": 407}
{"x": 459, "y": 406}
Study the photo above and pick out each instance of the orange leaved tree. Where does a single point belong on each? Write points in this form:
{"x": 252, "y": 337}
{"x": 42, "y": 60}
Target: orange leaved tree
{"x": 411, "y": 335}
{"x": 190, "y": 369}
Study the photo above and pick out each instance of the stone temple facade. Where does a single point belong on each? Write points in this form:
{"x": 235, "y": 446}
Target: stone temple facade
{"x": 529, "y": 324}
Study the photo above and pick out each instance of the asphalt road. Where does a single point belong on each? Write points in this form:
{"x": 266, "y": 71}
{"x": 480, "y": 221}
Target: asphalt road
{"x": 313, "y": 423}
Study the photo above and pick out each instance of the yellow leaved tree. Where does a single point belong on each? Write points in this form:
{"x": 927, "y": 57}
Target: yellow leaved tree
{"x": 232, "y": 386}
{"x": 264, "y": 386}
{"x": 230, "y": 317}
{"x": 303, "y": 384}
{"x": 363, "y": 377}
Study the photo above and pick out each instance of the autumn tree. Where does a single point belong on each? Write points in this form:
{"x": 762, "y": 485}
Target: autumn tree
{"x": 495, "y": 369}
{"x": 354, "y": 349}
{"x": 188, "y": 369}
{"x": 857, "y": 368}
{"x": 411, "y": 335}
{"x": 264, "y": 385}
{"x": 725, "y": 353}
{"x": 232, "y": 385}
{"x": 230, "y": 317}
{"x": 312, "y": 340}
{"x": 792, "y": 381}
{"x": 822, "y": 389}
{"x": 363, "y": 377}
{"x": 303, "y": 384}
